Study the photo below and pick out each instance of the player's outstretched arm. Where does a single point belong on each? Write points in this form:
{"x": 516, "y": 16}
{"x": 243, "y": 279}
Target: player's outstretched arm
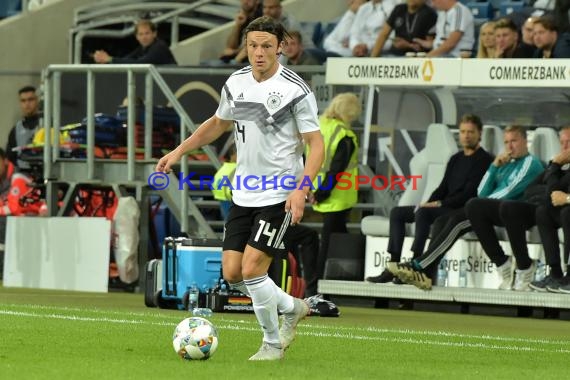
{"x": 208, "y": 132}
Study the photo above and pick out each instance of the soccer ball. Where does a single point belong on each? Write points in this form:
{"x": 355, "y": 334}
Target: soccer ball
{"x": 195, "y": 339}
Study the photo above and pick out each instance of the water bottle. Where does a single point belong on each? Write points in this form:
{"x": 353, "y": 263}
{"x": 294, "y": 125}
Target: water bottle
{"x": 193, "y": 296}
{"x": 540, "y": 271}
{"x": 223, "y": 287}
{"x": 462, "y": 274}
{"x": 204, "y": 312}
{"x": 442, "y": 274}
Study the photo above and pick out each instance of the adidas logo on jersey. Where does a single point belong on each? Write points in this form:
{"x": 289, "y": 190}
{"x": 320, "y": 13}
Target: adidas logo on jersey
{"x": 240, "y": 96}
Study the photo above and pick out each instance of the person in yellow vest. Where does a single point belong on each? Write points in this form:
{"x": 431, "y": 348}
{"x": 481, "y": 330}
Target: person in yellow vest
{"x": 224, "y": 193}
{"x": 341, "y": 149}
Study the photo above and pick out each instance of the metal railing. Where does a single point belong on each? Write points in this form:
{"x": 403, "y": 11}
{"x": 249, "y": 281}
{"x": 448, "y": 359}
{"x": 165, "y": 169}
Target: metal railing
{"x": 51, "y": 78}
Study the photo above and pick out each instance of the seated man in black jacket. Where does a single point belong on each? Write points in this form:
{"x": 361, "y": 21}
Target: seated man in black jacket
{"x": 552, "y": 214}
{"x": 463, "y": 173}
{"x": 151, "y": 49}
{"x": 517, "y": 217}
{"x": 549, "y": 42}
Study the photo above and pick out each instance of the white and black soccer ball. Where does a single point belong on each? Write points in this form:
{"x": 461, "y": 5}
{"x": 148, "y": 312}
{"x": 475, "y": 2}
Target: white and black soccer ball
{"x": 195, "y": 339}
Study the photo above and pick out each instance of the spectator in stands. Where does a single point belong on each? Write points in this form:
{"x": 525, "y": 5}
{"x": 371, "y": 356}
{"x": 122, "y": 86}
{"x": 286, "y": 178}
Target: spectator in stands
{"x": 517, "y": 217}
{"x": 552, "y": 214}
{"x": 337, "y": 42}
{"x": 486, "y": 47}
{"x": 295, "y": 51}
{"x": 6, "y": 171}
{"x": 462, "y": 176}
{"x": 249, "y": 11}
{"x": 527, "y": 32}
{"x": 549, "y": 43}
{"x": 151, "y": 49}
{"x": 507, "y": 178}
{"x": 274, "y": 9}
{"x": 507, "y": 40}
{"x": 23, "y": 132}
{"x": 341, "y": 151}
{"x": 454, "y": 30}
{"x": 369, "y": 20}
{"x": 411, "y": 20}
{"x": 7, "y": 168}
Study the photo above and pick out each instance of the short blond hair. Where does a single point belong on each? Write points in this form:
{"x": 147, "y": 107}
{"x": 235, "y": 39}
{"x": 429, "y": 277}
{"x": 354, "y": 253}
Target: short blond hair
{"x": 516, "y": 129}
{"x": 345, "y": 106}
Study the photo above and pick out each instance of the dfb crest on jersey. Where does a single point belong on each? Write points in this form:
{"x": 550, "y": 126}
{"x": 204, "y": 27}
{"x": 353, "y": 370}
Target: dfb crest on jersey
{"x": 274, "y": 100}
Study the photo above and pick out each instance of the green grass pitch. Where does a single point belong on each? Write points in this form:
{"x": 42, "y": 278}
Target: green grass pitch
{"x": 65, "y": 335}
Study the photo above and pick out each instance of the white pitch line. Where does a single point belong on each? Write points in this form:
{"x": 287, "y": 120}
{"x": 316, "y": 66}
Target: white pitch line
{"x": 312, "y": 325}
{"x": 307, "y": 333}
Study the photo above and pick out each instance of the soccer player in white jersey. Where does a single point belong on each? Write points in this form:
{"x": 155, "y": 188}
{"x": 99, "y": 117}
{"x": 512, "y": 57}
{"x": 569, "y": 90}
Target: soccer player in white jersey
{"x": 273, "y": 112}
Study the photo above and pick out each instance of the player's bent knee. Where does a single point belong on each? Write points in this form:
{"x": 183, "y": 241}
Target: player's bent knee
{"x": 232, "y": 276}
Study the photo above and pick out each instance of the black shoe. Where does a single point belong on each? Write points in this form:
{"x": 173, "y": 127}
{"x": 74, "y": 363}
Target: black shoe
{"x": 397, "y": 281}
{"x": 116, "y": 285}
{"x": 383, "y": 277}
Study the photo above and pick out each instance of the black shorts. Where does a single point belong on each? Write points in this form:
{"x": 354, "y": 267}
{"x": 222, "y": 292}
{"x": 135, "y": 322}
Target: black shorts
{"x": 263, "y": 228}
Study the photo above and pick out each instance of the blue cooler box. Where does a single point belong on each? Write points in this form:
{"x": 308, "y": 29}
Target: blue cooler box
{"x": 187, "y": 261}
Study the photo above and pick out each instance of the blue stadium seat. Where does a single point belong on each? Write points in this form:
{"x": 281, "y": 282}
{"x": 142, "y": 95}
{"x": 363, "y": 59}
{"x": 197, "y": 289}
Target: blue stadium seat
{"x": 496, "y": 4}
{"x": 508, "y": 7}
{"x": 10, "y": 8}
{"x": 481, "y": 10}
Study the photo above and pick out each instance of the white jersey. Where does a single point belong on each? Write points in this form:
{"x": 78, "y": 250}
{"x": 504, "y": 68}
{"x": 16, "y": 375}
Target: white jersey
{"x": 458, "y": 18}
{"x": 269, "y": 118}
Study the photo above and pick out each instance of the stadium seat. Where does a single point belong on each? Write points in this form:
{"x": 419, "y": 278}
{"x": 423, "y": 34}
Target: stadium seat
{"x": 10, "y": 8}
{"x": 481, "y": 10}
{"x": 509, "y": 7}
{"x": 492, "y": 139}
{"x": 545, "y": 144}
{"x": 430, "y": 163}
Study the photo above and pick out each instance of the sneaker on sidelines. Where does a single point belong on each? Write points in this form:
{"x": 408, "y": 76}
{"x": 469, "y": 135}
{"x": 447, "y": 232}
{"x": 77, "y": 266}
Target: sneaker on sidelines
{"x": 540, "y": 286}
{"x": 555, "y": 287}
{"x": 318, "y": 306}
{"x": 555, "y": 284}
{"x": 420, "y": 280}
{"x": 383, "y": 277}
{"x": 403, "y": 271}
{"x": 289, "y": 322}
{"x": 397, "y": 281}
{"x": 523, "y": 278}
{"x": 565, "y": 288}
{"x": 506, "y": 274}
{"x": 268, "y": 351}
{"x": 409, "y": 275}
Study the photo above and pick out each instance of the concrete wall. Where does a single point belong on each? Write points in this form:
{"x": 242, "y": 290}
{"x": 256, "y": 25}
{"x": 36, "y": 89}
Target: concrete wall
{"x": 29, "y": 42}
{"x": 209, "y": 45}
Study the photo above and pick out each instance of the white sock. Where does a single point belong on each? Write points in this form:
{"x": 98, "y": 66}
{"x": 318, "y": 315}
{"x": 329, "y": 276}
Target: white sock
{"x": 241, "y": 287}
{"x": 284, "y": 300}
{"x": 264, "y": 302}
